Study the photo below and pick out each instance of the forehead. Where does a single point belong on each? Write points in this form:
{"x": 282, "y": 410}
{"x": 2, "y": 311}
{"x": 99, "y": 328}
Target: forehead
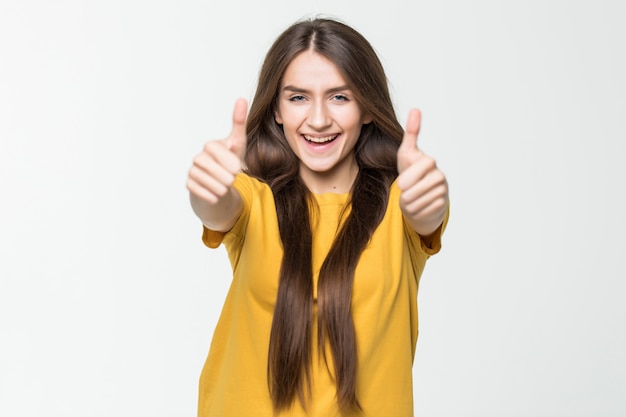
{"x": 310, "y": 69}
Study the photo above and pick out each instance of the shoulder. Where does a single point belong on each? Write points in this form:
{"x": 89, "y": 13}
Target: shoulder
{"x": 247, "y": 183}
{"x": 250, "y": 188}
{"x": 255, "y": 195}
{"x": 257, "y": 198}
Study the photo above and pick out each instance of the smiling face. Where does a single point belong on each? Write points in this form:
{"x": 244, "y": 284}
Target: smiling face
{"x": 321, "y": 121}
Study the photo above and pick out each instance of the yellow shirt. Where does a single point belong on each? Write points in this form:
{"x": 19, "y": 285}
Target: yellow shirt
{"x": 233, "y": 382}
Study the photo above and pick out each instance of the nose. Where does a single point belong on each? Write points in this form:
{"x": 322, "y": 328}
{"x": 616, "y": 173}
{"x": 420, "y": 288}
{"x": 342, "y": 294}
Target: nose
{"x": 319, "y": 116}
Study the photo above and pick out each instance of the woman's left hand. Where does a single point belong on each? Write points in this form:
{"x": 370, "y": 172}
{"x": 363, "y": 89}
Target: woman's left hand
{"x": 424, "y": 189}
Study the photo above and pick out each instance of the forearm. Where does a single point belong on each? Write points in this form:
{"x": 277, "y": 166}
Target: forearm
{"x": 219, "y": 216}
{"x": 426, "y": 222}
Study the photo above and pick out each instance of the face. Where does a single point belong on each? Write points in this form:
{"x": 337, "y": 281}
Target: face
{"x": 321, "y": 121}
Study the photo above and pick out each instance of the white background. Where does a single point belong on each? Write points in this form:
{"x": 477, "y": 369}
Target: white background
{"x": 108, "y": 298}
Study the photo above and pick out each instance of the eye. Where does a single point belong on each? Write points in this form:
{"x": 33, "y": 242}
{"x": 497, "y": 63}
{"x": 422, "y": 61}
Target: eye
{"x": 340, "y": 97}
{"x": 296, "y": 98}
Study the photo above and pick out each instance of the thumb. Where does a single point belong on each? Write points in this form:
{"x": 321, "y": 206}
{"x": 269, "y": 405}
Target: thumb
{"x": 412, "y": 129}
{"x": 238, "y": 138}
{"x": 408, "y": 151}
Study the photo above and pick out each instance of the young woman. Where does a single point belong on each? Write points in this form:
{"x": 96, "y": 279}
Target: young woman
{"x": 329, "y": 211}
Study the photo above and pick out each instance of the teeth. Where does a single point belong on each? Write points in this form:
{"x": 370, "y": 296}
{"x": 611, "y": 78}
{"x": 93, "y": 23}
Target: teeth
{"x": 320, "y": 140}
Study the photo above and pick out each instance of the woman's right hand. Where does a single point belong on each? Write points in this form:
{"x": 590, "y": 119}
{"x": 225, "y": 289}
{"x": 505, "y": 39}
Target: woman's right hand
{"x": 214, "y": 169}
{"x": 213, "y": 172}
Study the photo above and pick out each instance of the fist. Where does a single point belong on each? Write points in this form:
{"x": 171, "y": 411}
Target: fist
{"x": 214, "y": 169}
{"x": 424, "y": 189}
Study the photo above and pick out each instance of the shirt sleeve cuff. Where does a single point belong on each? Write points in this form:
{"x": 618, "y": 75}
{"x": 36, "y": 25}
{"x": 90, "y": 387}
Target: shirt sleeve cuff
{"x": 211, "y": 238}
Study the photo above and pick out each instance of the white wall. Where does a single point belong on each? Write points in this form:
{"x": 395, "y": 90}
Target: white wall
{"x": 108, "y": 298}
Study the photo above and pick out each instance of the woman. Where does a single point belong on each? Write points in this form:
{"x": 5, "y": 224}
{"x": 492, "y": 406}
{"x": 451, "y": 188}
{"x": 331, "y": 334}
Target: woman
{"x": 329, "y": 212}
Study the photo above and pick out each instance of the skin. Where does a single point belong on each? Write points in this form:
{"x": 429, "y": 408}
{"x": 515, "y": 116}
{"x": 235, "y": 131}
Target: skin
{"x": 424, "y": 198}
{"x": 314, "y": 102}
{"x": 316, "y": 105}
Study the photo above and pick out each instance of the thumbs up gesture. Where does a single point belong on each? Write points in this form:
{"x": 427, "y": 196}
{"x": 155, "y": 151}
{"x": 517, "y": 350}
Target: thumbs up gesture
{"x": 424, "y": 189}
{"x": 213, "y": 173}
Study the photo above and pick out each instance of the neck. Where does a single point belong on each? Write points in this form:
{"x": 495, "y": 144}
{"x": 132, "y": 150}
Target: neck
{"x": 338, "y": 182}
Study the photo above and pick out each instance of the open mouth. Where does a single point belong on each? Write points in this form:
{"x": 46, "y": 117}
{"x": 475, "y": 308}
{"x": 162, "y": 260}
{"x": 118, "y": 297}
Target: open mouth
{"x": 323, "y": 139}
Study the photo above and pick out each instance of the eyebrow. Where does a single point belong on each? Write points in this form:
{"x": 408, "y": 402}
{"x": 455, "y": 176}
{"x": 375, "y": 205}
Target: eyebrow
{"x": 303, "y": 90}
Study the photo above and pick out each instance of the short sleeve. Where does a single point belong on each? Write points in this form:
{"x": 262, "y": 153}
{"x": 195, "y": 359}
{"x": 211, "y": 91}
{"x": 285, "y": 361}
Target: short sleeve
{"x": 211, "y": 238}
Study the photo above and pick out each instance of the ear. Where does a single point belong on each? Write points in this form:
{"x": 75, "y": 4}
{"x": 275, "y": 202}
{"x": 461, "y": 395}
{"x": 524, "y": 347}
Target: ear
{"x": 367, "y": 119}
{"x": 277, "y": 117}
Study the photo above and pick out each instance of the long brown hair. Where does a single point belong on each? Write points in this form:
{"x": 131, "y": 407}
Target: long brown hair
{"x": 270, "y": 159}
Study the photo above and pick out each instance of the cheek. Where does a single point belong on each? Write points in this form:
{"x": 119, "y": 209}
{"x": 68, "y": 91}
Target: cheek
{"x": 284, "y": 114}
{"x": 351, "y": 117}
